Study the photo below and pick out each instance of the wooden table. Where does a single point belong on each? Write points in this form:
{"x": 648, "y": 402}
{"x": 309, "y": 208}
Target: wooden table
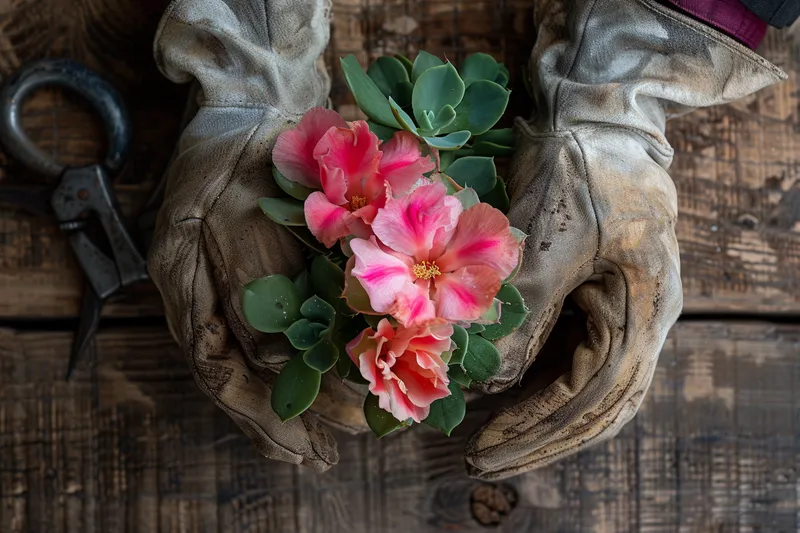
{"x": 132, "y": 445}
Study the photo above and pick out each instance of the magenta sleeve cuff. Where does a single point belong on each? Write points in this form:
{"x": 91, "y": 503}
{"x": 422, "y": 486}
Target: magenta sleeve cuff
{"x": 728, "y": 16}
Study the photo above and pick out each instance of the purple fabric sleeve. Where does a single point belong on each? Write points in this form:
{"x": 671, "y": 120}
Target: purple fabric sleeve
{"x": 728, "y": 16}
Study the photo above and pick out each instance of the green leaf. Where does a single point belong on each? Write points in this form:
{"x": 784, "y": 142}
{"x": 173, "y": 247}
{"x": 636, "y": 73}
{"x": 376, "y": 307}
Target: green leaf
{"x": 502, "y": 76}
{"x": 444, "y": 117}
{"x": 355, "y": 295}
{"x": 355, "y": 374}
{"x": 476, "y": 172}
{"x": 423, "y": 62}
{"x": 318, "y": 310}
{"x": 491, "y": 315}
{"x": 483, "y": 104}
{"x": 436, "y": 88}
{"x": 425, "y": 126}
{"x": 368, "y": 96}
{"x": 498, "y": 197}
{"x": 304, "y": 236}
{"x": 468, "y": 198}
{"x": 344, "y": 367}
{"x": 447, "y": 413}
{"x": 446, "y": 159}
{"x": 479, "y": 67}
{"x": 501, "y": 136}
{"x": 453, "y": 141}
{"x": 302, "y": 285}
{"x": 405, "y": 121}
{"x": 482, "y": 360}
{"x": 292, "y": 188}
{"x": 451, "y": 186}
{"x": 295, "y": 389}
{"x": 403, "y": 92}
{"x": 271, "y": 304}
{"x": 283, "y": 211}
{"x": 513, "y": 314}
{"x": 386, "y": 72}
{"x": 304, "y": 334}
{"x": 457, "y": 374}
{"x": 461, "y": 338}
{"x": 383, "y": 133}
{"x": 327, "y": 280}
{"x": 341, "y": 337}
{"x": 475, "y": 328}
{"x": 492, "y": 149}
{"x": 322, "y": 357}
{"x": 379, "y": 421}
{"x": 407, "y": 63}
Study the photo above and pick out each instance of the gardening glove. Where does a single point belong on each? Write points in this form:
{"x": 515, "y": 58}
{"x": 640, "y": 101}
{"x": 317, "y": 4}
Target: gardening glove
{"x": 258, "y": 68}
{"x": 589, "y": 185}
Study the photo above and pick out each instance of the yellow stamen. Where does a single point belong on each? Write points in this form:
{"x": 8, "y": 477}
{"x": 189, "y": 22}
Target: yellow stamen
{"x": 357, "y": 202}
{"x": 426, "y": 270}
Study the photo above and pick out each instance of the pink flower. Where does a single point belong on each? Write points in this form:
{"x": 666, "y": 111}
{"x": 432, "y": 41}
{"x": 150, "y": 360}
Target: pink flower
{"x": 293, "y": 154}
{"x": 349, "y": 164}
{"x": 404, "y": 367}
{"x": 431, "y": 259}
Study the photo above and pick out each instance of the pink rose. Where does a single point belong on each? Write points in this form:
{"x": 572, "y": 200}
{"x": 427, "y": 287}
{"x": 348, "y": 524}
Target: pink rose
{"x": 430, "y": 259}
{"x": 351, "y": 166}
{"x": 404, "y": 367}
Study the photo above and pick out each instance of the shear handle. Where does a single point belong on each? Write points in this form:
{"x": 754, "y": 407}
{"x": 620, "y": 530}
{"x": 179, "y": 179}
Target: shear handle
{"x": 78, "y": 78}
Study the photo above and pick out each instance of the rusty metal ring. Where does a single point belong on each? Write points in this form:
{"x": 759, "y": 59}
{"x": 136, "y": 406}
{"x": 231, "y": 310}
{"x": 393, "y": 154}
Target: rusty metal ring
{"x": 78, "y": 78}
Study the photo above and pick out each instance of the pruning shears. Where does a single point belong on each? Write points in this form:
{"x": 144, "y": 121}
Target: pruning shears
{"x": 82, "y": 200}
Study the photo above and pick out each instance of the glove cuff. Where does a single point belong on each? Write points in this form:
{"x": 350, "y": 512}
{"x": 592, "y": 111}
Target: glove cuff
{"x": 248, "y": 53}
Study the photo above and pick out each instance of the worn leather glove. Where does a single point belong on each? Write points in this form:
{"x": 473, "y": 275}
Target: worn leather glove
{"x": 589, "y": 184}
{"x": 258, "y": 67}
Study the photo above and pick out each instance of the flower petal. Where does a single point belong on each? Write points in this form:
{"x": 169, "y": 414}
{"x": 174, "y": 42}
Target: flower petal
{"x": 413, "y": 306}
{"x": 409, "y": 224}
{"x": 383, "y": 276}
{"x": 293, "y": 154}
{"x": 482, "y": 237}
{"x": 360, "y": 344}
{"x": 368, "y": 368}
{"x": 402, "y": 163}
{"x": 347, "y": 158}
{"x": 326, "y": 221}
{"x": 397, "y": 402}
{"x": 422, "y": 386}
{"x": 464, "y": 295}
{"x": 430, "y": 344}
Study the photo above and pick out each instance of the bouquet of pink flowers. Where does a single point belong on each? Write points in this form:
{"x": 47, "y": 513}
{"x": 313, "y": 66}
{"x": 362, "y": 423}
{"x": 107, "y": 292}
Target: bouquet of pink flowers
{"x": 411, "y": 254}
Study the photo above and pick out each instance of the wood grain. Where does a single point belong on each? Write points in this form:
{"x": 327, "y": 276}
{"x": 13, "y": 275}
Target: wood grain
{"x": 132, "y": 445}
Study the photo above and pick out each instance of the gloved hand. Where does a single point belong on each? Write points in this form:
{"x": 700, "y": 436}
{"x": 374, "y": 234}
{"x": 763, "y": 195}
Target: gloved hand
{"x": 258, "y": 66}
{"x": 589, "y": 185}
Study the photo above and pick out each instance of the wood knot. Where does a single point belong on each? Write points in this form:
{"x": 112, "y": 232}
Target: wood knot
{"x": 490, "y": 503}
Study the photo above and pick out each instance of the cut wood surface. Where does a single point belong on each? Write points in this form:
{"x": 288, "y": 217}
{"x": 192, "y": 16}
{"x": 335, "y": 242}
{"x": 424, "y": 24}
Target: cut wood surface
{"x": 736, "y": 166}
{"x": 133, "y": 446}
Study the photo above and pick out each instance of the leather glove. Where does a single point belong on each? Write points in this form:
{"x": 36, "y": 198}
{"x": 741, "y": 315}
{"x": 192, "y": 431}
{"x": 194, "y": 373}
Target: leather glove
{"x": 589, "y": 185}
{"x": 258, "y": 68}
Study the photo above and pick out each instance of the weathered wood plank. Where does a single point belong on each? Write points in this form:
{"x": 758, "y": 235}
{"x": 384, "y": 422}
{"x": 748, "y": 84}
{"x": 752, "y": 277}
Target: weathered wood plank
{"x": 738, "y": 179}
{"x": 736, "y": 167}
{"x": 134, "y": 446}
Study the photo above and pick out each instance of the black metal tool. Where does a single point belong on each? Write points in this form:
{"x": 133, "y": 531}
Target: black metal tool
{"x": 83, "y": 201}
